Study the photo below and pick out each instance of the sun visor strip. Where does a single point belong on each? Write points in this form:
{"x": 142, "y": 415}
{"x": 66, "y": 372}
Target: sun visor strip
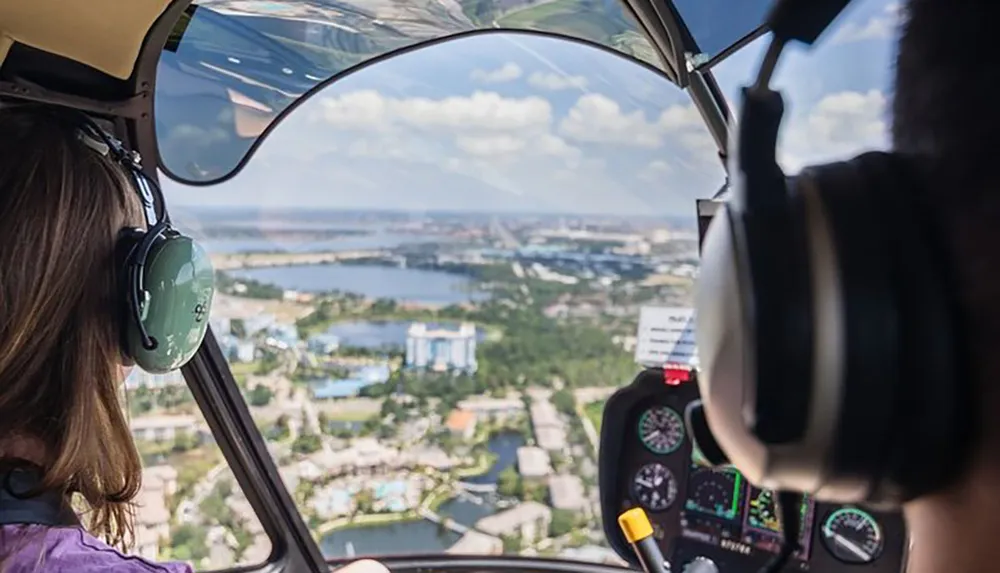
{"x": 104, "y": 34}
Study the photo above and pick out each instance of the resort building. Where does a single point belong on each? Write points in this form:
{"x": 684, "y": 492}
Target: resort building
{"x": 462, "y": 423}
{"x": 529, "y": 520}
{"x": 441, "y": 349}
{"x": 533, "y": 462}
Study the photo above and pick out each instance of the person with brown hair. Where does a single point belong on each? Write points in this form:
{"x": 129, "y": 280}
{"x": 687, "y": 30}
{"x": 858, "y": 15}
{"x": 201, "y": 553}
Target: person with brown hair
{"x": 64, "y": 438}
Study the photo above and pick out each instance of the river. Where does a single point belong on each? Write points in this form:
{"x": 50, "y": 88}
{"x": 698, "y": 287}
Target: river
{"x": 422, "y": 536}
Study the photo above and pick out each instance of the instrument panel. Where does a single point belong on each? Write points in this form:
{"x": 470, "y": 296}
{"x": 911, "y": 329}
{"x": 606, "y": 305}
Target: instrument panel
{"x": 709, "y": 520}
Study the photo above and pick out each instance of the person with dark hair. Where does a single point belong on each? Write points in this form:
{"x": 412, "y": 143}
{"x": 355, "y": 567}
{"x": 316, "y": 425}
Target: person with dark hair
{"x": 945, "y": 111}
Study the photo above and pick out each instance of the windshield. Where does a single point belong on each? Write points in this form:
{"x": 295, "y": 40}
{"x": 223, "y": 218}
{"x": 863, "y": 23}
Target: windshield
{"x": 431, "y": 275}
{"x": 429, "y": 287}
{"x": 231, "y": 66}
{"x": 836, "y": 94}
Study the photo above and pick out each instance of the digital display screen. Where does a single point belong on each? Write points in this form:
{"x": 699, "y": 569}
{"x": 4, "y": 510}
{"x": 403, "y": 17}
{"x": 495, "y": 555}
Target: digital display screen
{"x": 723, "y": 509}
{"x": 761, "y": 527}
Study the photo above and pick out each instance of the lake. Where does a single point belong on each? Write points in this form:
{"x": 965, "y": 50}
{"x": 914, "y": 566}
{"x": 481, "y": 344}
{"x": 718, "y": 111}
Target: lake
{"x": 400, "y": 284}
{"x": 403, "y": 538}
{"x": 504, "y": 445}
{"x": 422, "y": 536}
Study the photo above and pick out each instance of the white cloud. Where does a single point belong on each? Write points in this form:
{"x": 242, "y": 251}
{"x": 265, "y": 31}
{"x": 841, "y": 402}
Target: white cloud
{"x": 489, "y": 111}
{"x": 491, "y": 145}
{"x": 655, "y": 171}
{"x": 555, "y": 82}
{"x": 596, "y": 118}
{"x": 505, "y": 73}
{"x": 421, "y": 130}
{"x": 879, "y": 27}
{"x": 839, "y": 126}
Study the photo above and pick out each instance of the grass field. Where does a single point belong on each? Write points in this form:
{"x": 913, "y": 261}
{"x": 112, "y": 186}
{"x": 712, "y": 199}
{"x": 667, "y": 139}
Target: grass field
{"x": 594, "y": 411}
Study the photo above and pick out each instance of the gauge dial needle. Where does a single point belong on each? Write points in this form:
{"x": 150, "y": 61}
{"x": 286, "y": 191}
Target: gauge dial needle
{"x": 644, "y": 483}
{"x": 848, "y": 545}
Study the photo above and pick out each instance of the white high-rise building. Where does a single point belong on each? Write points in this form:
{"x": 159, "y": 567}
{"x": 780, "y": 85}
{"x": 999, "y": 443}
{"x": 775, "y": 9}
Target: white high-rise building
{"x": 441, "y": 349}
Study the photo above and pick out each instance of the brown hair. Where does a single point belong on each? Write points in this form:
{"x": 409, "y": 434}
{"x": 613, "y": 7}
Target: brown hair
{"x": 62, "y": 206}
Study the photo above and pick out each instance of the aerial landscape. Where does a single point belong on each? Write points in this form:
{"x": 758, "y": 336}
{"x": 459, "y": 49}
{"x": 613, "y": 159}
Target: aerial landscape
{"x": 425, "y": 383}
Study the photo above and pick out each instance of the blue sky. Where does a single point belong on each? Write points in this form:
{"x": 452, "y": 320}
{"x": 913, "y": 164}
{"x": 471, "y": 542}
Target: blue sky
{"x": 525, "y": 123}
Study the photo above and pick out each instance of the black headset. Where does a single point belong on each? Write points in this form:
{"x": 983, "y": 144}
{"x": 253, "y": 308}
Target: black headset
{"x": 827, "y": 331}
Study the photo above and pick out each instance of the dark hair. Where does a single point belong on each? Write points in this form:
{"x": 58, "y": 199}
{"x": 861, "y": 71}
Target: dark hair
{"x": 62, "y": 206}
{"x": 945, "y": 110}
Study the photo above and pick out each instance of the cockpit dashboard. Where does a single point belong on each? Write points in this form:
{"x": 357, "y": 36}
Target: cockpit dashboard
{"x": 709, "y": 520}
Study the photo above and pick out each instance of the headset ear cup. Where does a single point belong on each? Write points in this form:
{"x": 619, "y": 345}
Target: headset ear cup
{"x": 931, "y": 430}
{"x": 125, "y": 249}
{"x": 179, "y": 284}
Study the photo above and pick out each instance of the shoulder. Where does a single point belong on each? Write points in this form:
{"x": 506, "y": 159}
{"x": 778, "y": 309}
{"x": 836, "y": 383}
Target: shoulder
{"x": 41, "y": 550}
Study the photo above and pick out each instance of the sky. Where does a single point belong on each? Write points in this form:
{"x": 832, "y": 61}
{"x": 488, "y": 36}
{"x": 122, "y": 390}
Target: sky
{"x": 505, "y": 122}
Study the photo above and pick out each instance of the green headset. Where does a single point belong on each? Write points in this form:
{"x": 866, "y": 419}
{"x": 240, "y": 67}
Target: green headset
{"x": 166, "y": 279}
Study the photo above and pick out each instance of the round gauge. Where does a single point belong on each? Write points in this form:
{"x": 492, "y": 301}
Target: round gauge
{"x": 852, "y": 536}
{"x": 661, "y": 430}
{"x": 714, "y": 492}
{"x": 654, "y": 487}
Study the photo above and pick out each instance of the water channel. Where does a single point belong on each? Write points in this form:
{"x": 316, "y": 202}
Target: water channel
{"x": 422, "y": 536}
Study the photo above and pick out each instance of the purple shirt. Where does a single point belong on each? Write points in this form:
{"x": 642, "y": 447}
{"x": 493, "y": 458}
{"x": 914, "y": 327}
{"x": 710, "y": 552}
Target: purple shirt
{"x": 42, "y": 549}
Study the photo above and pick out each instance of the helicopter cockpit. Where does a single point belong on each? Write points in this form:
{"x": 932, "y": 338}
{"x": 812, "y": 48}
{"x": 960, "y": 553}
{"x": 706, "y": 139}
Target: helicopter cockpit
{"x": 446, "y": 235}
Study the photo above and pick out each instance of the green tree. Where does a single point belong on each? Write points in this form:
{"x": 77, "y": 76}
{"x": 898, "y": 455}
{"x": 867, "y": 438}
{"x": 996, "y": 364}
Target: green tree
{"x": 184, "y": 441}
{"x": 364, "y": 501}
{"x": 509, "y": 482}
{"x": 238, "y": 327}
{"x": 564, "y": 401}
{"x": 306, "y": 444}
{"x": 187, "y": 542}
{"x": 260, "y": 395}
{"x": 281, "y": 429}
{"x": 563, "y": 522}
{"x": 511, "y": 543}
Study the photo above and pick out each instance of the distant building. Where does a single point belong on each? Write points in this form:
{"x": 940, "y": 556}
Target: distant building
{"x": 440, "y": 349}
{"x": 162, "y": 428}
{"x": 499, "y": 408}
{"x": 139, "y": 378}
{"x": 567, "y": 492}
{"x": 283, "y": 335}
{"x": 530, "y": 520}
{"x": 220, "y": 325}
{"x": 375, "y": 373}
{"x": 462, "y": 423}
{"x": 152, "y": 516}
{"x": 236, "y": 350}
{"x": 323, "y": 344}
{"x": 257, "y": 323}
{"x": 533, "y": 462}
{"x": 475, "y": 543}
{"x": 549, "y": 428}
